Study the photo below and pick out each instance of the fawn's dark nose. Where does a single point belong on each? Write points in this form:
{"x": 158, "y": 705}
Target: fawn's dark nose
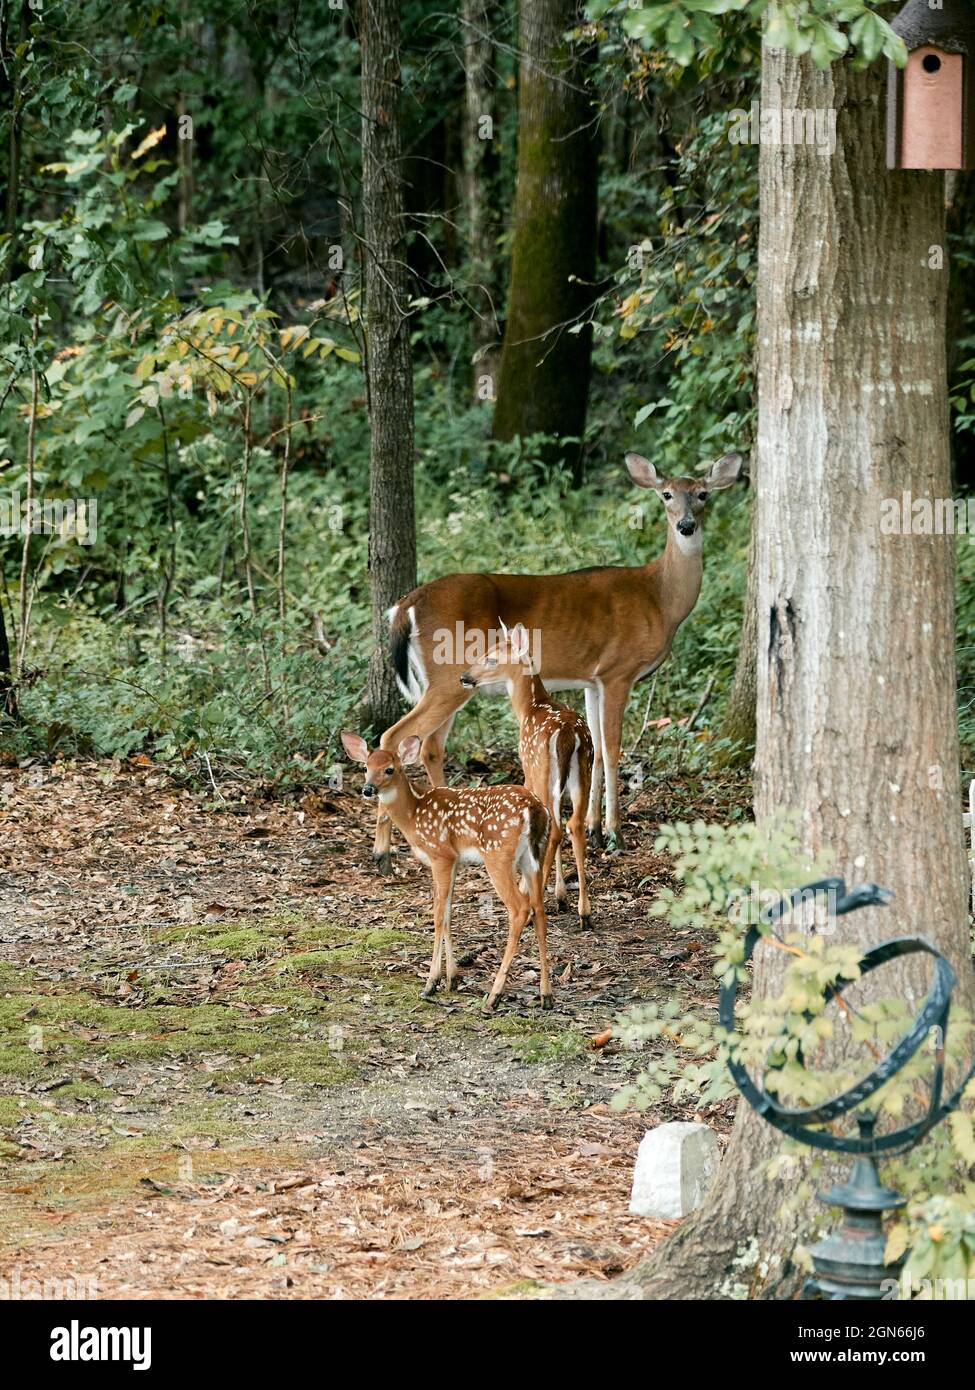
{"x": 368, "y": 790}
{"x": 687, "y": 528}
{"x": 468, "y": 682}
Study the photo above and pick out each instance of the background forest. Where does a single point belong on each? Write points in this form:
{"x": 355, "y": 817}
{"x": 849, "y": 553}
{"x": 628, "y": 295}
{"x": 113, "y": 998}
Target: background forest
{"x": 181, "y": 289}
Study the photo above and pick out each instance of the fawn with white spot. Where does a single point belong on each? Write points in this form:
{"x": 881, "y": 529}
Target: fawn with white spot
{"x": 504, "y": 828}
{"x": 555, "y": 748}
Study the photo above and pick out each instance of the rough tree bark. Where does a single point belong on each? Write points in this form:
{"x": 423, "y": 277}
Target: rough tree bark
{"x": 389, "y": 363}
{"x": 738, "y": 723}
{"x": 544, "y": 382}
{"x": 856, "y": 727}
{"x": 480, "y": 167}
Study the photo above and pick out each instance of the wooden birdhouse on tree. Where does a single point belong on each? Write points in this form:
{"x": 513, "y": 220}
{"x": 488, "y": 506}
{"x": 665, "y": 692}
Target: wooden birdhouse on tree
{"x": 931, "y": 101}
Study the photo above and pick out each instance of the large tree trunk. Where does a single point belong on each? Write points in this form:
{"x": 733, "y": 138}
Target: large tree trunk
{"x": 389, "y": 363}
{"x": 480, "y": 169}
{"x": 856, "y": 727}
{"x": 545, "y": 367}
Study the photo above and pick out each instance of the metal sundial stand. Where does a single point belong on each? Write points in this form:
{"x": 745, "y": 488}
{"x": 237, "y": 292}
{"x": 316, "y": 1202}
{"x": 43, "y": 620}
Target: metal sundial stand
{"x": 849, "y": 1264}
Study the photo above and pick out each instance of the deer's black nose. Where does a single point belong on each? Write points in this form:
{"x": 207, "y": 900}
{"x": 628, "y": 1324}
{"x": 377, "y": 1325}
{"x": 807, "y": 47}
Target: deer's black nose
{"x": 469, "y": 682}
{"x": 687, "y": 528}
{"x": 368, "y": 790}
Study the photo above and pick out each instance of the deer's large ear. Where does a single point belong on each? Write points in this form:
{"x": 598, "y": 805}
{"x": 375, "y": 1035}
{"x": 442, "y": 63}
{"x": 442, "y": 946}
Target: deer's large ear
{"x": 642, "y": 471}
{"x": 409, "y": 749}
{"x": 519, "y": 641}
{"x": 724, "y": 471}
{"x": 355, "y": 745}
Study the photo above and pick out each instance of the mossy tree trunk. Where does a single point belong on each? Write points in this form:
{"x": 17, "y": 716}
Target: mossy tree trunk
{"x": 856, "y": 718}
{"x": 545, "y": 368}
{"x": 389, "y": 362}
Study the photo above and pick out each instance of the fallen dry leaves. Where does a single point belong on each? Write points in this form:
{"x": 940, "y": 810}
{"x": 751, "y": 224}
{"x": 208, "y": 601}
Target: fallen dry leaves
{"x": 450, "y": 1167}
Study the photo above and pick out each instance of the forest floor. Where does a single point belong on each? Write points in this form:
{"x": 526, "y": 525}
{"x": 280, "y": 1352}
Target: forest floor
{"x": 218, "y": 1080}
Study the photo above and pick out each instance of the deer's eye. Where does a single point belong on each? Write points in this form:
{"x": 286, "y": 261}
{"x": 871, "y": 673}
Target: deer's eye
{"x": 702, "y": 497}
{"x": 666, "y": 496}
{"x": 389, "y": 772}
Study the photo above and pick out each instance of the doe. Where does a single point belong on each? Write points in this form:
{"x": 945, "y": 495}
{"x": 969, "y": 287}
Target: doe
{"x": 504, "y": 828}
{"x": 602, "y": 630}
{"x": 555, "y": 748}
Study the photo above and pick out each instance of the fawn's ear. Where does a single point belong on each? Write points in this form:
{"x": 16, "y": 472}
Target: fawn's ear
{"x": 409, "y": 750}
{"x": 355, "y": 745}
{"x": 519, "y": 641}
{"x": 642, "y": 471}
{"x": 724, "y": 471}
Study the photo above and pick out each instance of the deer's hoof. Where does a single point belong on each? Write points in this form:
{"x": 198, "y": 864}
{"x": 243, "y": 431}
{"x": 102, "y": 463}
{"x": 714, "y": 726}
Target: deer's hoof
{"x": 383, "y": 863}
{"x": 585, "y": 922}
{"x": 428, "y": 993}
{"x": 594, "y": 834}
{"x": 562, "y": 904}
{"x": 614, "y": 842}
{"x": 490, "y": 1002}
{"x": 548, "y": 1002}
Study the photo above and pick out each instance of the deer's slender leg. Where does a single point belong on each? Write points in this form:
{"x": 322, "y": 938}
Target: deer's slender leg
{"x": 436, "y": 965}
{"x": 450, "y": 971}
{"x": 553, "y": 850}
{"x": 556, "y": 836}
{"x": 613, "y": 704}
{"x": 432, "y": 752}
{"x": 594, "y": 815}
{"x": 435, "y": 707}
{"x": 536, "y": 891}
{"x": 381, "y": 842}
{"x": 502, "y": 875}
{"x": 579, "y": 776}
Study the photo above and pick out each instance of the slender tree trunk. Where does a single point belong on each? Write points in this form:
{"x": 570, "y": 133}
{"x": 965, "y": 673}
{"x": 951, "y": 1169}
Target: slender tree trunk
{"x": 480, "y": 169}
{"x": 738, "y": 723}
{"x": 184, "y": 154}
{"x": 545, "y": 368}
{"x": 9, "y": 39}
{"x": 856, "y": 727}
{"x": 8, "y": 694}
{"x": 12, "y": 39}
{"x": 389, "y": 363}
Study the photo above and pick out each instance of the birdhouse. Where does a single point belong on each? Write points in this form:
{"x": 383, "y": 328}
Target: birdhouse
{"x": 931, "y": 101}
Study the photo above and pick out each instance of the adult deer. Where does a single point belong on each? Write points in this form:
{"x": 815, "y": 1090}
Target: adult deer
{"x": 599, "y": 629}
{"x": 555, "y": 748}
{"x": 504, "y": 828}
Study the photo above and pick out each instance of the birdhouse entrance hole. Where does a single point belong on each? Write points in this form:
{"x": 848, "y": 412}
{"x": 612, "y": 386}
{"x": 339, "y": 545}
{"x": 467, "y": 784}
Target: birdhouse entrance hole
{"x": 931, "y": 129}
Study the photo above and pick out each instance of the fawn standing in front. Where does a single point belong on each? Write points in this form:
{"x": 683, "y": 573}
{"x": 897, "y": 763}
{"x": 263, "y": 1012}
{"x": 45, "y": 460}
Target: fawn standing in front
{"x": 504, "y": 828}
{"x": 555, "y": 748}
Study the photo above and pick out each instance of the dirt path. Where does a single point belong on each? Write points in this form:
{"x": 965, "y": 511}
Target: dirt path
{"x": 217, "y": 1078}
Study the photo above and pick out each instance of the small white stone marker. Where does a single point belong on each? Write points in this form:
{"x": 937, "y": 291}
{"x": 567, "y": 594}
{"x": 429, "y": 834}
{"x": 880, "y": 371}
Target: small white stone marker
{"x": 675, "y": 1166}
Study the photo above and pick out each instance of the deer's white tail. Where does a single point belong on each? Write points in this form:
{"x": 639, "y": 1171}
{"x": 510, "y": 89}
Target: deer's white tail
{"x": 404, "y": 633}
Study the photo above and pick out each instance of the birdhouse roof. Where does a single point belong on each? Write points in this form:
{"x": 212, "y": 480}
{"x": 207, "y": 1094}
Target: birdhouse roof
{"x": 951, "y": 28}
